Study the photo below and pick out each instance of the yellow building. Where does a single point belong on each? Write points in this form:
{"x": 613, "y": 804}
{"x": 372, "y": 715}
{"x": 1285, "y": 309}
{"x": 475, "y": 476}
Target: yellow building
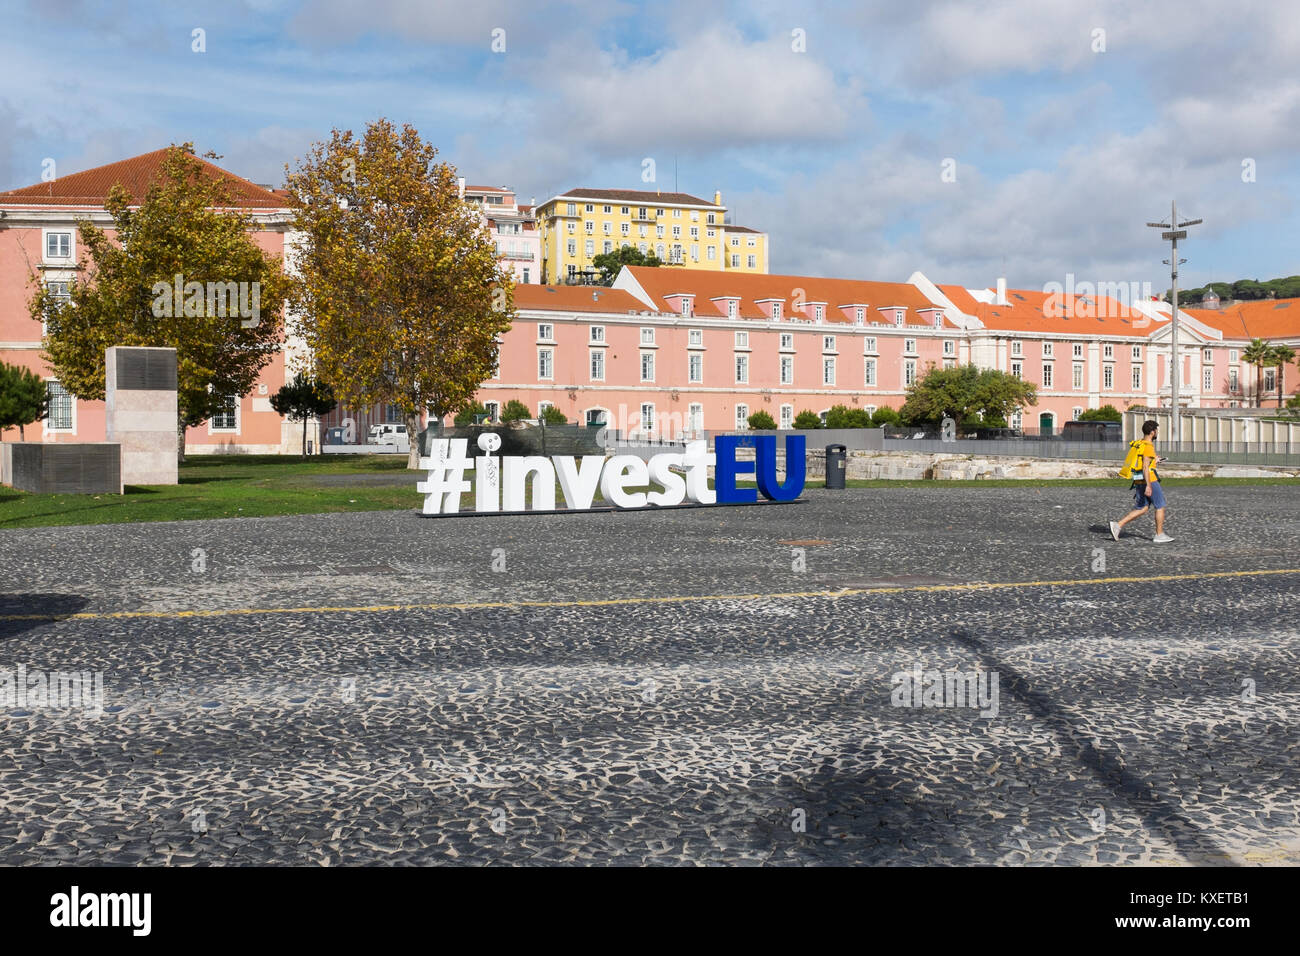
{"x": 681, "y": 229}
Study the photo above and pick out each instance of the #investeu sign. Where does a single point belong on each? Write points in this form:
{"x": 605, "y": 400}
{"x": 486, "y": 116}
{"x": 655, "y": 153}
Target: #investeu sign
{"x": 503, "y": 482}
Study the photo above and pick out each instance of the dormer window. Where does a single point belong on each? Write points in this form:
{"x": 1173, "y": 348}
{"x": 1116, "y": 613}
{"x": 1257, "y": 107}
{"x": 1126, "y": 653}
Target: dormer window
{"x": 819, "y": 312}
{"x": 776, "y": 311}
{"x": 686, "y": 305}
{"x": 898, "y": 317}
{"x": 732, "y": 308}
{"x": 938, "y": 320}
{"x": 860, "y": 316}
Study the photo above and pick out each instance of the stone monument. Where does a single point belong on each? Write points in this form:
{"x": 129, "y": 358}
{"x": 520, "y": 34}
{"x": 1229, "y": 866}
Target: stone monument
{"x": 142, "y": 415}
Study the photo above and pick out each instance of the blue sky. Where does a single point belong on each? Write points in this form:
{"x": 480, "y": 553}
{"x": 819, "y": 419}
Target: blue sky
{"x": 1062, "y": 149}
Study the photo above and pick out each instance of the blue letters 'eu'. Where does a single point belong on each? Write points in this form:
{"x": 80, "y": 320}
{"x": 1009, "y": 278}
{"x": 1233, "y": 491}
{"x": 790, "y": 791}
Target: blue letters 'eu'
{"x": 764, "y": 468}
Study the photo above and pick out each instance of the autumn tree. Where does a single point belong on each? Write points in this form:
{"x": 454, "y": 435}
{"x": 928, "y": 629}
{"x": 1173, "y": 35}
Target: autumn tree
{"x": 22, "y": 399}
{"x": 400, "y": 297}
{"x": 180, "y": 271}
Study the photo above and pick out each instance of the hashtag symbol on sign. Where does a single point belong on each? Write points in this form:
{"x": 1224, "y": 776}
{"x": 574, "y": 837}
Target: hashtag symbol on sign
{"x": 446, "y": 465}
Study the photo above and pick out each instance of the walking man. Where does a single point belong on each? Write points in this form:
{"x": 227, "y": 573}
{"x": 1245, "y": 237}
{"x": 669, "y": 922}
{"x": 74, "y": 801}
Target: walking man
{"x": 1146, "y": 484}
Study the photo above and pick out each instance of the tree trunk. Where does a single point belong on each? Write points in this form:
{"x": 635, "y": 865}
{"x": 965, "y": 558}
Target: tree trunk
{"x": 413, "y": 436}
{"x": 1259, "y": 386}
{"x": 1279, "y": 386}
{"x": 304, "y": 435}
{"x": 180, "y": 441}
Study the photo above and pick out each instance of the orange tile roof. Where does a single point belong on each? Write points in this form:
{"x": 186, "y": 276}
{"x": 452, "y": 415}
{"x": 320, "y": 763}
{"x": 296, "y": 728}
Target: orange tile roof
{"x": 1028, "y": 310}
{"x": 638, "y": 197}
{"x": 751, "y": 288}
{"x": 1259, "y": 319}
{"x": 90, "y": 187}
{"x": 575, "y": 298}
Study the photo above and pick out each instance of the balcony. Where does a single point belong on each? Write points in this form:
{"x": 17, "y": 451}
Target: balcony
{"x": 518, "y": 255}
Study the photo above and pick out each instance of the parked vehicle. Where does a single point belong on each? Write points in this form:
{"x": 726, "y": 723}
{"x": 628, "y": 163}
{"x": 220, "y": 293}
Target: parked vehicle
{"x": 335, "y": 435}
{"x": 389, "y": 434}
{"x": 1092, "y": 431}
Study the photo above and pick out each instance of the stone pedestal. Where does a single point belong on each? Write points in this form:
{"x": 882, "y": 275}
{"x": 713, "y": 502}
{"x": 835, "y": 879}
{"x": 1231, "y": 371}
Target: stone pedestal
{"x": 140, "y": 400}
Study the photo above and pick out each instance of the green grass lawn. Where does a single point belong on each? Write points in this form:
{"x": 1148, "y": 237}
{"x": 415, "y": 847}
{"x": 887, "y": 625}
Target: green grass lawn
{"x": 249, "y": 486}
{"x": 230, "y": 486}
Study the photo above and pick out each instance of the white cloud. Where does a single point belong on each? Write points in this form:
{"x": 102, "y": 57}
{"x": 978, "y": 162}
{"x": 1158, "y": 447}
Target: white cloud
{"x": 715, "y": 90}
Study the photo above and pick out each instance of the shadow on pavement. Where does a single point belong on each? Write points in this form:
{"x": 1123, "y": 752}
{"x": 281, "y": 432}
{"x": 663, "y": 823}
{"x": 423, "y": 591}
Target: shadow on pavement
{"x": 22, "y": 612}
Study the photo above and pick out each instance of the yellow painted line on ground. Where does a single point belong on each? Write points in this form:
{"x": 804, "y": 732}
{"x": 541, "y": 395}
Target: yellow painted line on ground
{"x": 630, "y": 601}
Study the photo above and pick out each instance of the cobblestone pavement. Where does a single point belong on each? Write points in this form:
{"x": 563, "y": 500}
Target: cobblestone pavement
{"x": 678, "y": 690}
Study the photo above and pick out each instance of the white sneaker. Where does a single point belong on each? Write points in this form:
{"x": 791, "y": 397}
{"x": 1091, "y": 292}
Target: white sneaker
{"x": 1114, "y": 530}
{"x": 1161, "y": 539}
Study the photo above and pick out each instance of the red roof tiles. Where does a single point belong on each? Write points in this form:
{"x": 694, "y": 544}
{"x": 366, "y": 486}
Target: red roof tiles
{"x": 90, "y": 187}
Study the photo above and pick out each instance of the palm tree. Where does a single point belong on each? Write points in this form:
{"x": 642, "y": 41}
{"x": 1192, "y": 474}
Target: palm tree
{"x": 1281, "y": 355}
{"x": 1259, "y": 353}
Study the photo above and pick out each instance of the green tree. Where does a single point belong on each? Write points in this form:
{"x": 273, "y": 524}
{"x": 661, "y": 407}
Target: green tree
{"x": 806, "y": 420}
{"x": 1107, "y": 413}
{"x": 23, "y": 399}
{"x": 401, "y": 296}
{"x": 885, "y": 416}
{"x": 470, "y": 415}
{"x": 1248, "y": 289}
{"x": 609, "y": 263}
{"x": 515, "y": 411}
{"x": 762, "y": 421}
{"x": 303, "y": 399}
{"x": 963, "y": 393}
{"x": 1259, "y": 354}
{"x": 551, "y": 415}
{"x": 841, "y": 416}
{"x": 1280, "y": 355}
{"x": 186, "y": 226}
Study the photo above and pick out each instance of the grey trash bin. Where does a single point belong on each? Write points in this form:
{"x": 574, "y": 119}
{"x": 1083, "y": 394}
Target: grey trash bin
{"x": 835, "y": 455}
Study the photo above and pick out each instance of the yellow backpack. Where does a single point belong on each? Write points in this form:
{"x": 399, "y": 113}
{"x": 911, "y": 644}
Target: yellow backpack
{"x": 1132, "y": 461}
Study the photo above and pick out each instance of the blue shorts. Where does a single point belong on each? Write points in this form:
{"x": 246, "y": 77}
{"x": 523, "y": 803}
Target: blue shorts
{"x": 1144, "y": 495}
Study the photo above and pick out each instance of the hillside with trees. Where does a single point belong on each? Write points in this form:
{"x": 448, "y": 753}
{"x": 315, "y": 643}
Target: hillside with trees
{"x": 1244, "y": 289}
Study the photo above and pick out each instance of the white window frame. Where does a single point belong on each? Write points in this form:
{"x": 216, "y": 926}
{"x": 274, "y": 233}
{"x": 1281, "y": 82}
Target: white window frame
{"x": 1137, "y": 353}
{"x": 1076, "y": 350}
{"x": 742, "y": 368}
{"x": 695, "y": 338}
{"x": 647, "y": 429}
{"x": 909, "y": 372}
{"x": 547, "y": 354}
{"x": 785, "y": 419}
{"x": 909, "y": 346}
{"x": 1049, "y": 350}
{"x": 742, "y": 417}
{"x": 1077, "y": 381}
{"x": 1049, "y": 375}
{"x": 1108, "y": 377}
{"x": 949, "y": 347}
{"x": 214, "y": 430}
{"x": 869, "y": 373}
{"x": 695, "y": 417}
{"x": 828, "y": 369}
{"x": 1137, "y": 377}
{"x": 869, "y": 345}
{"x": 596, "y": 357}
{"x": 1108, "y": 351}
{"x": 1207, "y": 379}
{"x": 786, "y": 369}
{"x": 695, "y": 368}
{"x": 47, "y": 233}
{"x": 650, "y": 358}
{"x": 647, "y": 340}
{"x": 742, "y": 340}
{"x": 828, "y": 345}
{"x": 1017, "y": 347}
{"x": 597, "y": 335}
{"x": 47, "y": 428}
{"x": 545, "y": 332}
{"x": 787, "y": 342}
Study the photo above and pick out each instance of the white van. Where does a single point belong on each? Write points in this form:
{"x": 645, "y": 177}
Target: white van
{"x": 389, "y": 434}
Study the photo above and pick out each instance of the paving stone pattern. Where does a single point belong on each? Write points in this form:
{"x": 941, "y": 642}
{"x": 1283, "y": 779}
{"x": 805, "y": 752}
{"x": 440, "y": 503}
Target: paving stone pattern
{"x": 664, "y": 732}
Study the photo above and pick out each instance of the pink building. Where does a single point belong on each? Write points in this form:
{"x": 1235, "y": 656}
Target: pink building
{"x": 667, "y": 352}
{"x": 513, "y": 229}
{"x": 39, "y": 243}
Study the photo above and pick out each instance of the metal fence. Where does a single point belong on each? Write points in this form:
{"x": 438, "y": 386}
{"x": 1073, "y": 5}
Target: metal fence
{"x": 1188, "y": 452}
